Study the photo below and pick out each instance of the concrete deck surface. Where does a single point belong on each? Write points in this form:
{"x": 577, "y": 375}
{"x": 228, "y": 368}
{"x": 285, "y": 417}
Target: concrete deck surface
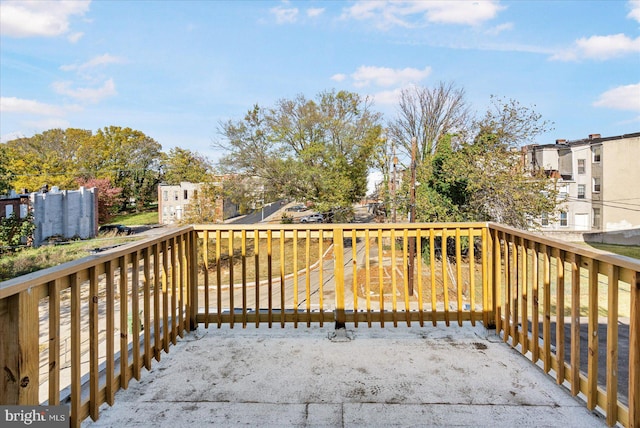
{"x": 405, "y": 376}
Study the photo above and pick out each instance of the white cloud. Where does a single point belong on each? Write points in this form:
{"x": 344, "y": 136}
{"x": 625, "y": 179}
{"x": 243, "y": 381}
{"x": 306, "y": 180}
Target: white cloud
{"x": 339, "y": 77}
{"x": 494, "y": 31}
{"x": 388, "y": 14}
{"x": 29, "y": 18}
{"x": 18, "y": 105}
{"x": 387, "y": 98}
{"x": 316, "y": 11}
{"x": 285, "y": 15}
{"x": 634, "y": 5}
{"x": 385, "y": 77}
{"x": 93, "y": 62}
{"x": 599, "y": 48}
{"x": 49, "y": 123}
{"x": 75, "y": 37}
{"x": 92, "y": 95}
{"x": 621, "y": 98}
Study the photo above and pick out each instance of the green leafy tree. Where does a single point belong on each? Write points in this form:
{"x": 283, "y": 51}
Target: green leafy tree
{"x": 49, "y": 158}
{"x": 316, "y": 150}
{"x": 6, "y": 176}
{"x": 13, "y": 230}
{"x": 184, "y": 165}
{"x": 485, "y": 179}
{"x": 129, "y": 158}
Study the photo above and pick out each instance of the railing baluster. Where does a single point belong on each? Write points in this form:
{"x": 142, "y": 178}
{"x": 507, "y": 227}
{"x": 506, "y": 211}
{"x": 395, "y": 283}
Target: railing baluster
{"x": 110, "y": 333}
{"x": 524, "y": 297}
{"x": 406, "y": 265}
{"x": 256, "y": 251}
{"x": 592, "y": 356}
{"x": 497, "y": 281}
{"x": 135, "y": 313}
{"x": 270, "y": 276}
{"x": 54, "y": 342}
{"x": 219, "y": 276}
{"x": 174, "y": 290}
{"x": 472, "y": 276}
{"x": 165, "y": 296}
{"x": 535, "y": 309}
{"x": 575, "y": 324}
{"x": 367, "y": 267}
{"x": 459, "y": 275}
{"x": 560, "y": 335}
{"x": 94, "y": 374}
{"x": 320, "y": 275}
{"x": 515, "y": 292}
{"x": 612, "y": 345}
{"x": 432, "y": 266}
{"x": 147, "y": 308}
{"x": 338, "y": 254}
{"x": 282, "y": 278}
{"x": 546, "y": 307}
{"x": 76, "y": 340}
{"x": 244, "y": 277}
{"x": 295, "y": 279}
{"x": 419, "y": 273}
{"x": 124, "y": 321}
{"x": 157, "y": 295}
{"x": 307, "y": 259}
{"x": 508, "y": 289}
{"x": 232, "y": 306}
{"x": 394, "y": 299}
{"x": 445, "y": 274}
{"x": 205, "y": 268}
{"x": 381, "y": 276}
{"x": 354, "y": 280}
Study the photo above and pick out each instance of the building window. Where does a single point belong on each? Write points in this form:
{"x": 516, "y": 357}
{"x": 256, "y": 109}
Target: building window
{"x": 563, "y": 218}
{"x": 596, "y": 218}
{"x": 165, "y": 195}
{"x": 597, "y": 153}
{"x": 581, "y": 191}
{"x": 545, "y": 219}
{"x": 581, "y": 164}
{"x": 564, "y": 191}
{"x": 175, "y": 195}
{"x": 596, "y": 184}
{"x": 186, "y": 194}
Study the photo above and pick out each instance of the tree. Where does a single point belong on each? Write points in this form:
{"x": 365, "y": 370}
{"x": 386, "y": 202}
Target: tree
{"x": 428, "y": 114}
{"x": 49, "y": 158}
{"x": 319, "y": 151}
{"x": 6, "y": 177}
{"x": 109, "y": 197}
{"x": 129, "y": 158}
{"x": 485, "y": 179}
{"x": 13, "y": 229}
{"x": 184, "y": 165}
{"x": 206, "y": 205}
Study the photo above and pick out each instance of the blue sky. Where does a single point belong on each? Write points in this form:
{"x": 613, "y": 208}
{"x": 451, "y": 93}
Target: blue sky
{"x": 175, "y": 69}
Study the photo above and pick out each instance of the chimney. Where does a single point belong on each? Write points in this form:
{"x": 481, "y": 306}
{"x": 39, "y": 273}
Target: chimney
{"x": 594, "y": 136}
{"x": 561, "y": 141}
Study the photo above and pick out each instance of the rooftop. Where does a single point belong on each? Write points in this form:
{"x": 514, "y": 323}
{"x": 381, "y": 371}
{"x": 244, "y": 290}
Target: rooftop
{"x": 404, "y": 376}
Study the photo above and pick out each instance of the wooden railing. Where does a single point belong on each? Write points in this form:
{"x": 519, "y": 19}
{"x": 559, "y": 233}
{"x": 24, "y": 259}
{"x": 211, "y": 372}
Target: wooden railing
{"x": 120, "y": 310}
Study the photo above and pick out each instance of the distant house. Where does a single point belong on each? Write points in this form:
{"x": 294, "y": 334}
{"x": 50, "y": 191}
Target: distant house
{"x": 175, "y": 201}
{"x": 597, "y": 179}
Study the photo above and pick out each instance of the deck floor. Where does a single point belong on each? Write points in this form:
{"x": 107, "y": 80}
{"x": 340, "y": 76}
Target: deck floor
{"x": 405, "y": 376}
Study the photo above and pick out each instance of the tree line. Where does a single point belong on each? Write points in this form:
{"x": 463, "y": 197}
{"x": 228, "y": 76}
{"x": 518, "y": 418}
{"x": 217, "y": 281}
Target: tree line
{"x": 321, "y": 150}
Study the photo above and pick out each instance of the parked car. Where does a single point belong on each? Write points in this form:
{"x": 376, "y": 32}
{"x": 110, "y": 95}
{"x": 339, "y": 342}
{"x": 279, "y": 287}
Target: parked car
{"x": 117, "y": 229}
{"x": 297, "y": 208}
{"x": 312, "y": 218}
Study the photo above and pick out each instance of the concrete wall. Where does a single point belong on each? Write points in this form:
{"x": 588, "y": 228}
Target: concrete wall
{"x": 620, "y": 178}
{"x": 621, "y": 237}
{"x": 67, "y": 213}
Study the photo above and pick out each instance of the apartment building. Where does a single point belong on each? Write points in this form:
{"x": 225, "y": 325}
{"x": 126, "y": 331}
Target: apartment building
{"x": 598, "y": 180}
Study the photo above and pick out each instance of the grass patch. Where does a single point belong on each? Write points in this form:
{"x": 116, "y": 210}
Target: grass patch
{"x": 137, "y": 219}
{"x": 623, "y": 250}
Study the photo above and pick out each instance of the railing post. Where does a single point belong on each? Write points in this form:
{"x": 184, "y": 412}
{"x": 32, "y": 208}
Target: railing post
{"x": 338, "y": 251}
{"x": 19, "y": 335}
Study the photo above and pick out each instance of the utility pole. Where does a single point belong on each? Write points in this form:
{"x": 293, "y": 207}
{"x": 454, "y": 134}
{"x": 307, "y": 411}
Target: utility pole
{"x": 412, "y": 215}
